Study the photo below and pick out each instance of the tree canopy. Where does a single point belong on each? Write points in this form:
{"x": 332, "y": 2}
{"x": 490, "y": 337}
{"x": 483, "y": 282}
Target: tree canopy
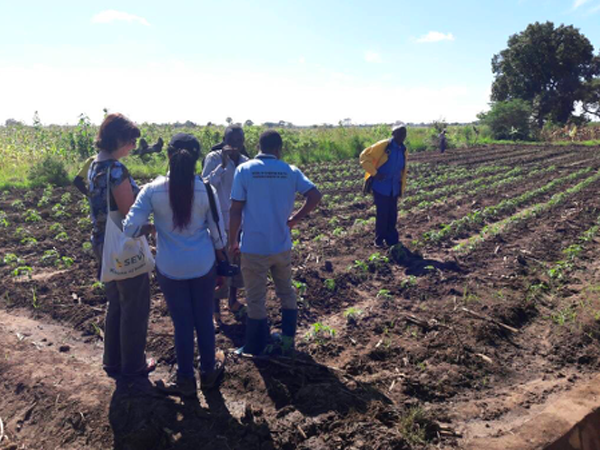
{"x": 548, "y": 67}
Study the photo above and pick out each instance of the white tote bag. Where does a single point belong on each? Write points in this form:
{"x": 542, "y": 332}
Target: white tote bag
{"x": 122, "y": 257}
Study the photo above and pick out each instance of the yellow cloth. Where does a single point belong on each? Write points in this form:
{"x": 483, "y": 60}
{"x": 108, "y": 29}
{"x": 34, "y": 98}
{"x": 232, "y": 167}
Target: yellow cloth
{"x": 375, "y": 156}
{"x": 86, "y": 166}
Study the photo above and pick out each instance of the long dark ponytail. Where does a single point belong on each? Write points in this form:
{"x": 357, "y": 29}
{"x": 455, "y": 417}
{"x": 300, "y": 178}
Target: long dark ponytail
{"x": 182, "y": 162}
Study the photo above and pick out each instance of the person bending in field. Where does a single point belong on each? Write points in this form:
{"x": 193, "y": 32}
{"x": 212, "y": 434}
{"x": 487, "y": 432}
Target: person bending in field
{"x": 385, "y": 164}
{"x": 188, "y": 239}
{"x": 263, "y": 193}
{"x": 219, "y": 168}
{"x": 126, "y": 323}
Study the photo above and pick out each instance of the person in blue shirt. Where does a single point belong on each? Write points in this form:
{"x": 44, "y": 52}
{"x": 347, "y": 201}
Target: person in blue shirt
{"x": 387, "y": 187}
{"x": 263, "y": 194}
{"x": 188, "y": 244}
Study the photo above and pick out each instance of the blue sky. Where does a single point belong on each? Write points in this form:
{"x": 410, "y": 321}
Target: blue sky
{"x": 301, "y": 61}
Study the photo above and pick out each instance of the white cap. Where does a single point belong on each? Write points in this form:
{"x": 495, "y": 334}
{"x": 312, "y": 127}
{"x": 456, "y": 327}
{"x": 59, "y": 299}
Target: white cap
{"x": 397, "y": 126}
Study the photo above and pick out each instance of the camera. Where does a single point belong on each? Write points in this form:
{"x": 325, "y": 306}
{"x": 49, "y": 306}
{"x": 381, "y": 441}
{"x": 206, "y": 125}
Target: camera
{"x": 225, "y": 269}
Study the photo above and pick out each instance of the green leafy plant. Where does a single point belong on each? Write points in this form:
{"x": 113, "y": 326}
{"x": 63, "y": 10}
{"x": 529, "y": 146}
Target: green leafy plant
{"x": 22, "y": 270}
{"x": 29, "y": 241}
{"x": 320, "y": 333}
{"x": 352, "y": 314}
{"x": 18, "y": 205}
{"x": 50, "y": 257}
{"x": 385, "y": 294}
{"x": 34, "y": 301}
{"x": 59, "y": 211}
{"x": 330, "y": 284}
{"x": 12, "y": 260}
{"x": 66, "y": 198}
{"x": 56, "y": 228}
{"x": 32, "y": 216}
{"x": 49, "y": 170}
{"x": 62, "y": 236}
{"x": 84, "y": 223}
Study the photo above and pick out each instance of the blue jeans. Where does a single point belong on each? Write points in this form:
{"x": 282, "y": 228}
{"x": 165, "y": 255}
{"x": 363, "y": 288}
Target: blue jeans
{"x": 385, "y": 219}
{"x": 191, "y": 306}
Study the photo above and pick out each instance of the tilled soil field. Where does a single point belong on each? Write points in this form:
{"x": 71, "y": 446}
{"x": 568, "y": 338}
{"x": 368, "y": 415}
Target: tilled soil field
{"x": 491, "y": 307}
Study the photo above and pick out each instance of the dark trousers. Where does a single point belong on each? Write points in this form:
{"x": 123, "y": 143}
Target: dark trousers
{"x": 126, "y": 326}
{"x": 387, "y": 215}
{"x": 191, "y": 306}
{"x": 126, "y": 323}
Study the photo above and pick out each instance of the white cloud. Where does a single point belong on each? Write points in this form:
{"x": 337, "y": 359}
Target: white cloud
{"x": 435, "y": 36}
{"x": 579, "y": 3}
{"x": 373, "y": 57}
{"x": 110, "y": 15}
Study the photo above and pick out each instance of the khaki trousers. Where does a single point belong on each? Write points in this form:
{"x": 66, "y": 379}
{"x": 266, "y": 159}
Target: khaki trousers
{"x": 255, "y": 269}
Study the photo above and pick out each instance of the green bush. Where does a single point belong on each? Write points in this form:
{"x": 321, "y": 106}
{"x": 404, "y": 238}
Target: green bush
{"x": 49, "y": 170}
{"x": 509, "y": 120}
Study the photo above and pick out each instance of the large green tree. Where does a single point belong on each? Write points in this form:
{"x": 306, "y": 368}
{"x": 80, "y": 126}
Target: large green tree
{"x": 546, "y": 66}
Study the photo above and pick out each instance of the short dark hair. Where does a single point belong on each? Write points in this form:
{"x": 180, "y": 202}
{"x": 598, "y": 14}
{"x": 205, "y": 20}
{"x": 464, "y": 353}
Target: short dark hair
{"x": 270, "y": 141}
{"x": 116, "y": 130}
{"x": 232, "y": 130}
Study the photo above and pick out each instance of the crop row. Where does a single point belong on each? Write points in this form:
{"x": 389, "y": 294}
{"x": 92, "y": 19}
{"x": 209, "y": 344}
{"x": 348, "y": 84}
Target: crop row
{"x": 511, "y": 221}
{"x": 506, "y": 206}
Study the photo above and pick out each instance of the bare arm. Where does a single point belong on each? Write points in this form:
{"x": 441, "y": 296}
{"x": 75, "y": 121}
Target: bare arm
{"x": 235, "y": 222}
{"x": 312, "y": 199}
{"x": 123, "y": 194}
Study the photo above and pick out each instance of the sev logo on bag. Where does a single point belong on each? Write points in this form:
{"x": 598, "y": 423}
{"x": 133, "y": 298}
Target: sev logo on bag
{"x": 129, "y": 265}
{"x": 130, "y": 261}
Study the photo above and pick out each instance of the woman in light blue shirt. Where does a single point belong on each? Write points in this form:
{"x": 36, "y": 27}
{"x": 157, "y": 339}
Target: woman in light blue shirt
{"x": 185, "y": 259}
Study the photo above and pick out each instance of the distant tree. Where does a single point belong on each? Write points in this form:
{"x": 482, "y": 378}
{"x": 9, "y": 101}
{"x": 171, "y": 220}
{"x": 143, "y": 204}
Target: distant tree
{"x": 248, "y": 123}
{"x": 345, "y": 122}
{"x": 209, "y": 124}
{"x": 509, "y": 119}
{"x": 591, "y": 98}
{"x": 546, "y": 67}
{"x": 229, "y": 120}
{"x": 12, "y": 123}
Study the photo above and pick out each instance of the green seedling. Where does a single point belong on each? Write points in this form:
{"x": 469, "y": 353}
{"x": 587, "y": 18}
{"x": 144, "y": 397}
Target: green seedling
{"x": 34, "y": 302}
{"x": 65, "y": 199}
{"x": 98, "y": 287}
{"x": 32, "y": 216}
{"x": 18, "y": 205}
{"x": 29, "y": 241}
{"x": 411, "y": 281}
{"x": 84, "y": 223}
{"x": 62, "y": 236}
{"x": 300, "y": 287}
{"x": 12, "y": 260}
{"x": 56, "y": 228}
{"x": 22, "y": 270}
{"x": 59, "y": 211}
{"x": 339, "y": 231}
{"x": 361, "y": 265}
{"x": 320, "y": 333}
{"x": 352, "y": 314}
{"x": 50, "y": 258}
{"x": 330, "y": 284}
{"x": 29, "y": 196}
{"x": 385, "y": 294}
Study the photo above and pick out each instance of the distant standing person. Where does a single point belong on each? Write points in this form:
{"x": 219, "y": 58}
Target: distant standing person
{"x": 126, "y": 323}
{"x": 386, "y": 163}
{"x": 185, "y": 260}
{"x": 219, "y": 169}
{"x": 443, "y": 141}
{"x": 263, "y": 194}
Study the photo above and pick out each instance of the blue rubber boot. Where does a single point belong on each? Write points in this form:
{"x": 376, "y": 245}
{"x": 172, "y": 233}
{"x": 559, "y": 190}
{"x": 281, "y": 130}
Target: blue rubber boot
{"x": 257, "y": 335}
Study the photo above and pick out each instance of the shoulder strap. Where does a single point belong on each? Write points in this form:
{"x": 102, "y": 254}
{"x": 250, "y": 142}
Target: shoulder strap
{"x": 213, "y": 206}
